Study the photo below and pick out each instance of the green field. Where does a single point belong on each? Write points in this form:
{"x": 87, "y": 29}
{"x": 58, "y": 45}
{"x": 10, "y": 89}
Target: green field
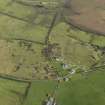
{"x": 21, "y": 21}
{"x": 74, "y": 46}
{"x": 11, "y": 92}
{"x": 42, "y": 55}
{"x": 90, "y": 91}
{"x": 39, "y": 90}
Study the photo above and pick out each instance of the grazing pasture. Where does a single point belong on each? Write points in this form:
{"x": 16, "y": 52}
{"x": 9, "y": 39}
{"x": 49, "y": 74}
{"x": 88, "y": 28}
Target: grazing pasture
{"x": 11, "y": 92}
{"x": 52, "y": 49}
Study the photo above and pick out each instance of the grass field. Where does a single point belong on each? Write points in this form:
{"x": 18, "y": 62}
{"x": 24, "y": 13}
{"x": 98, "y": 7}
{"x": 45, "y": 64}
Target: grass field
{"x": 24, "y": 28}
{"x": 74, "y": 45}
{"x": 90, "y": 91}
{"x": 21, "y": 21}
{"x": 32, "y": 25}
{"x": 11, "y": 92}
{"x": 38, "y": 92}
{"x": 19, "y": 60}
